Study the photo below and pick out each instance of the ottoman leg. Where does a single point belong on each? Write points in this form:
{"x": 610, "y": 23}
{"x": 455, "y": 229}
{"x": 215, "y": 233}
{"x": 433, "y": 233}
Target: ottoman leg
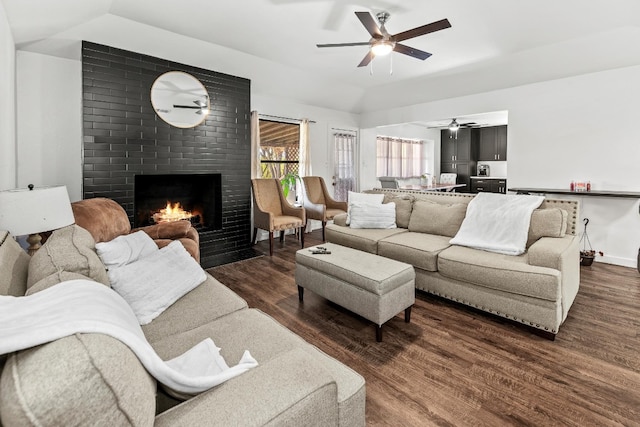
{"x": 407, "y": 314}
{"x": 300, "y": 293}
{"x": 379, "y": 333}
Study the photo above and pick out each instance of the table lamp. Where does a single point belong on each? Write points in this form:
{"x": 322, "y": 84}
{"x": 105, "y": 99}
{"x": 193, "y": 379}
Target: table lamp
{"x": 35, "y": 210}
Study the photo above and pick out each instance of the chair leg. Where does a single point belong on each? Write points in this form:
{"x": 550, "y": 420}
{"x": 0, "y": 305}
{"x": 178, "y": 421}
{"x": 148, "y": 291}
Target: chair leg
{"x": 282, "y": 235}
{"x": 302, "y": 236}
{"x": 324, "y": 223}
{"x": 255, "y": 235}
{"x": 270, "y": 243}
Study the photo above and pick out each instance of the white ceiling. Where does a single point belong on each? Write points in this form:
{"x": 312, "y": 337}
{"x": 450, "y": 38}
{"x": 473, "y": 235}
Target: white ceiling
{"x": 510, "y": 42}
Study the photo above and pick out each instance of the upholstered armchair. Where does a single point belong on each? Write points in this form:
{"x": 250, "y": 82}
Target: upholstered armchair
{"x": 105, "y": 219}
{"x": 272, "y": 212}
{"x": 318, "y": 203}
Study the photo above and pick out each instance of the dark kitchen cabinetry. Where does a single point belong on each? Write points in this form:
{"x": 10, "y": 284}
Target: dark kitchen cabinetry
{"x": 493, "y": 143}
{"x": 489, "y": 185}
{"x": 459, "y": 155}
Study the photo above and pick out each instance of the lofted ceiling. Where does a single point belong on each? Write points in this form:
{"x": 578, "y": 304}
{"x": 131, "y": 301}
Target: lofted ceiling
{"x": 523, "y": 41}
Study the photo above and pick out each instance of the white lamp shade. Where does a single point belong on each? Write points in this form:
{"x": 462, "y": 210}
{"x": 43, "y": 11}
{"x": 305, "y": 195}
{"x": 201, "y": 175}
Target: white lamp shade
{"x": 25, "y": 211}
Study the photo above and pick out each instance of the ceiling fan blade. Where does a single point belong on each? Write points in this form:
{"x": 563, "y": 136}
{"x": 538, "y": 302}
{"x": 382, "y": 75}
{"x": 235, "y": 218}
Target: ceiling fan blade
{"x": 416, "y": 53}
{"x": 366, "y": 60}
{"x": 343, "y": 44}
{"x": 370, "y": 24}
{"x": 419, "y": 31}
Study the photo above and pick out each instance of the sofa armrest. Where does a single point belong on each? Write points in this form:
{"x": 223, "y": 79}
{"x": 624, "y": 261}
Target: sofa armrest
{"x": 562, "y": 254}
{"x": 555, "y": 252}
{"x": 340, "y": 219}
{"x": 288, "y": 390}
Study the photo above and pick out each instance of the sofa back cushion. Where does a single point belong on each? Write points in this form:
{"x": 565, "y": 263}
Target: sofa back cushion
{"x": 404, "y": 206}
{"x": 14, "y": 266}
{"x": 83, "y": 379}
{"x": 70, "y": 249}
{"x": 436, "y": 218}
{"x": 547, "y": 223}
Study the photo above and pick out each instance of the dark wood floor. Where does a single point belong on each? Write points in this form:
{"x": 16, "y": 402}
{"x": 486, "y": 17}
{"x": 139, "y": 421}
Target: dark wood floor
{"x": 452, "y": 366}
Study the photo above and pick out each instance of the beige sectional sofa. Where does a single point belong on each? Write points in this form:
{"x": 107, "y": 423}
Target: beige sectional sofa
{"x": 536, "y": 288}
{"x": 93, "y": 379}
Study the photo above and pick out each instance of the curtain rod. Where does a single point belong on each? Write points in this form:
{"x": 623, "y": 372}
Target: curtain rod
{"x": 284, "y": 118}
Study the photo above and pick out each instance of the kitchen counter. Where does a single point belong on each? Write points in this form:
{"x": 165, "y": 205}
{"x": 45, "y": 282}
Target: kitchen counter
{"x": 488, "y": 177}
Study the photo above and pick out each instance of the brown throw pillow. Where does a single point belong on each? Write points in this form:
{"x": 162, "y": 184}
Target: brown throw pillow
{"x": 435, "y": 218}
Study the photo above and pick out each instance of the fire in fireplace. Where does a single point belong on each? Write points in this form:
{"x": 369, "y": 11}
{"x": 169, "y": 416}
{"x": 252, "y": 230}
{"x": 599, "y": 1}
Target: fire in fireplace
{"x": 178, "y": 197}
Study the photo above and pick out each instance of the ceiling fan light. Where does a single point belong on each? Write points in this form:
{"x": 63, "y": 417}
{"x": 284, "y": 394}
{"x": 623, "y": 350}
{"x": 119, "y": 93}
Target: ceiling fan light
{"x": 382, "y": 48}
{"x": 454, "y": 126}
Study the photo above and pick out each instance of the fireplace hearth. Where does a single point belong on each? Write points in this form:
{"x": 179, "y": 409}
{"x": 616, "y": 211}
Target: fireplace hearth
{"x": 178, "y": 197}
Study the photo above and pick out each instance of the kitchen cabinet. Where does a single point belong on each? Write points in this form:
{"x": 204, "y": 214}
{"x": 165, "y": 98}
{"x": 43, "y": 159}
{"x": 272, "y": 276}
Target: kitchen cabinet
{"x": 459, "y": 155}
{"x": 492, "y": 145}
{"x": 489, "y": 185}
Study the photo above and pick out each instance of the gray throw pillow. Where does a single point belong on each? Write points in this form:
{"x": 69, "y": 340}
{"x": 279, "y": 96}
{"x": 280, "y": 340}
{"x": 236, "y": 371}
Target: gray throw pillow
{"x": 436, "y": 218}
{"x": 404, "y": 206}
{"x": 70, "y": 249}
{"x": 547, "y": 223}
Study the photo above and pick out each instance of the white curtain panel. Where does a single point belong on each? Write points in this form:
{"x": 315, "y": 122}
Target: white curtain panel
{"x": 255, "y": 146}
{"x": 399, "y": 157}
{"x": 304, "y": 168}
{"x": 345, "y": 164}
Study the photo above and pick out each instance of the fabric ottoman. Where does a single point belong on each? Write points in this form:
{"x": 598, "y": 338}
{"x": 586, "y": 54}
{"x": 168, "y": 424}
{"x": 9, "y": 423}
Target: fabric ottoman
{"x": 372, "y": 286}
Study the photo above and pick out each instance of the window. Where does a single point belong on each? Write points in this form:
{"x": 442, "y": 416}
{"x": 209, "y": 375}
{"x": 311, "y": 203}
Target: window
{"x": 279, "y": 148}
{"x": 399, "y": 158}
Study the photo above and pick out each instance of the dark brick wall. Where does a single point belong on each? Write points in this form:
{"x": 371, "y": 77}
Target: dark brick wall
{"x": 123, "y": 137}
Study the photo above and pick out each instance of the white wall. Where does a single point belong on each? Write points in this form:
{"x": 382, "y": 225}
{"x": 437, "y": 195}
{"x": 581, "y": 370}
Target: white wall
{"x": 49, "y": 121}
{"x": 582, "y": 127}
{"x": 7, "y": 105}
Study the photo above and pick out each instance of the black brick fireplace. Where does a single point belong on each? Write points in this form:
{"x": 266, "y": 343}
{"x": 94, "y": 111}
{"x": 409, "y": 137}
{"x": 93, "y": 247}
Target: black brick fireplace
{"x": 125, "y": 141}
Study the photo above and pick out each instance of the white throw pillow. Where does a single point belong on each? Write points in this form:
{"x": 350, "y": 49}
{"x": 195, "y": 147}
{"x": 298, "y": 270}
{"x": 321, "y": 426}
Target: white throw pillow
{"x": 371, "y": 199}
{"x": 126, "y": 249}
{"x": 151, "y": 284}
{"x": 364, "y": 215}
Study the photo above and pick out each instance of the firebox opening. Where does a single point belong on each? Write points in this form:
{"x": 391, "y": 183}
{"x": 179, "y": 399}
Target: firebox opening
{"x": 178, "y": 197}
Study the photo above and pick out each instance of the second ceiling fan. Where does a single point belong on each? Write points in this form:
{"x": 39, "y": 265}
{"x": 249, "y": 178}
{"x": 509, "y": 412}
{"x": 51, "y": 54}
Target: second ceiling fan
{"x": 382, "y": 43}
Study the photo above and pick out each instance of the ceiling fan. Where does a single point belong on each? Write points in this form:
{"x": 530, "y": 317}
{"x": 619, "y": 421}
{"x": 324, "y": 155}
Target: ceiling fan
{"x": 454, "y": 125}
{"x": 382, "y": 43}
{"x": 200, "y": 106}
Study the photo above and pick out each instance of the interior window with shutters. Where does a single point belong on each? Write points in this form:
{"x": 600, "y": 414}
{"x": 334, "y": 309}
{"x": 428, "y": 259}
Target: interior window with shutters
{"x": 279, "y": 148}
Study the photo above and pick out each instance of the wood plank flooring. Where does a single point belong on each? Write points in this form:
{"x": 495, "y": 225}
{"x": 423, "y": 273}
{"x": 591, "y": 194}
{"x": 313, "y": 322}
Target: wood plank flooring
{"x": 452, "y": 366}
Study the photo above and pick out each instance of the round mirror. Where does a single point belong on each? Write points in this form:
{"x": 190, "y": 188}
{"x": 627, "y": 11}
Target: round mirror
{"x": 180, "y": 99}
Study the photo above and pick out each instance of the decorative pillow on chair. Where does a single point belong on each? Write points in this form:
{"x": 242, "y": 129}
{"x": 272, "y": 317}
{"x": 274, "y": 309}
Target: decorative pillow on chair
{"x": 70, "y": 249}
{"x": 365, "y": 215}
{"x": 372, "y": 199}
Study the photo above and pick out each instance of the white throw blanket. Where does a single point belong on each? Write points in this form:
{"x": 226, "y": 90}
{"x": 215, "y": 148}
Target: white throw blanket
{"x": 497, "y": 223}
{"x": 84, "y": 306}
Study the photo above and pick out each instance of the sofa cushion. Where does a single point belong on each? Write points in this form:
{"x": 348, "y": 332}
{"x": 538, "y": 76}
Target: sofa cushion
{"x": 208, "y": 301}
{"x": 14, "y": 266}
{"x": 547, "y": 223}
{"x": 418, "y": 249}
{"x": 268, "y": 340}
{"x": 502, "y": 272}
{"x": 435, "y": 218}
{"x": 70, "y": 249}
{"x": 404, "y": 206}
{"x": 83, "y": 379}
{"x": 362, "y": 239}
{"x": 373, "y": 216}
